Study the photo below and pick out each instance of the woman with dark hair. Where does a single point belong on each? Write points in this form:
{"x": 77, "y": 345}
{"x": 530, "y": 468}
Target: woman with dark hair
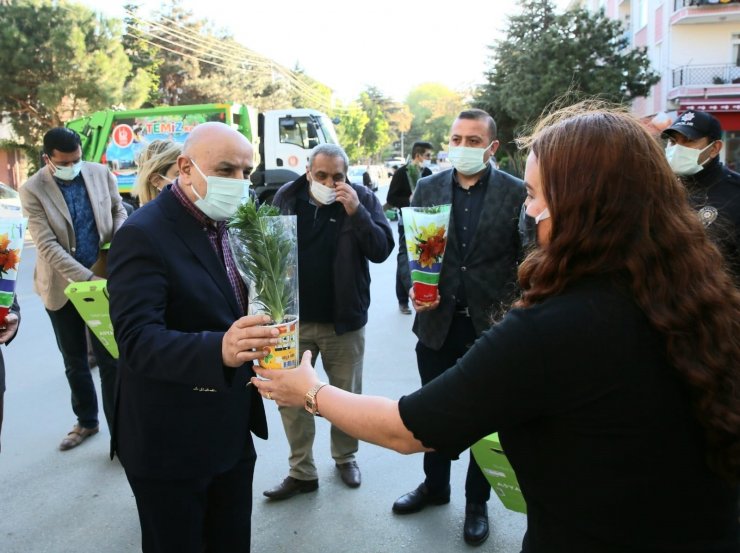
{"x": 613, "y": 383}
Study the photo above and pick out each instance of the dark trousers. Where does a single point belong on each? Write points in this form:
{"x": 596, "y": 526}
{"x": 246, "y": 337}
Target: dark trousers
{"x": 403, "y": 273}
{"x": 431, "y": 364}
{"x": 200, "y": 515}
{"x": 70, "y": 330}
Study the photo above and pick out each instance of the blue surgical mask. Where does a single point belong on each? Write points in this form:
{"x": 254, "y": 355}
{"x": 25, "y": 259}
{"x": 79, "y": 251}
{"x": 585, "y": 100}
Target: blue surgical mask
{"x": 468, "y": 161}
{"x": 223, "y": 195}
{"x": 67, "y": 173}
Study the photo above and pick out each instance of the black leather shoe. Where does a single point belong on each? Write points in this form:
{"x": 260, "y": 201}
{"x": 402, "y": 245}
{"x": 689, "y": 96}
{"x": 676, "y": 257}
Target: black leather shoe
{"x": 290, "y": 487}
{"x": 415, "y": 501}
{"x": 475, "y": 530}
{"x": 350, "y": 474}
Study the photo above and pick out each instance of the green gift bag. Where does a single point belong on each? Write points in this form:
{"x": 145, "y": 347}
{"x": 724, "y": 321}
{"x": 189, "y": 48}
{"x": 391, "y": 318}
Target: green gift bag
{"x": 91, "y": 301}
{"x": 496, "y": 468}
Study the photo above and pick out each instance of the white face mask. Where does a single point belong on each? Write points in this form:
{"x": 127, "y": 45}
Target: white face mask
{"x": 323, "y": 194}
{"x": 468, "y": 161}
{"x": 67, "y": 173}
{"x": 223, "y": 196}
{"x": 426, "y": 163}
{"x": 684, "y": 160}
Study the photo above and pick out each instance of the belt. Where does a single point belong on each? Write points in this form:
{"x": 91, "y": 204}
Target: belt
{"x": 463, "y": 311}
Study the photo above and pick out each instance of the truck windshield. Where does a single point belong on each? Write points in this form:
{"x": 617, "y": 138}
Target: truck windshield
{"x": 327, "y": 127}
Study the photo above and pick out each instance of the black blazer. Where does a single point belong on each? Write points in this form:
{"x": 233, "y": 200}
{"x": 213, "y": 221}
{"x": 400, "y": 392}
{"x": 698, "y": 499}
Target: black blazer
{"x": 180, "y": 412}
{"x": 489, "y": 267}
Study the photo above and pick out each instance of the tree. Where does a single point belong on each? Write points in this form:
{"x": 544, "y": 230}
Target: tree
{"x": 547, "y": 56}
{"x": 142, "y": 83}
{"x": 350, "y": 129}
{"x": 434, "y": 108}
{"x": 51, "y": 72}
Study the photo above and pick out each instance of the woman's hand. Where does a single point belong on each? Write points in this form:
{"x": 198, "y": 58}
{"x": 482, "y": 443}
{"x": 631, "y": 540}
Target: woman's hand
{"x": 287, "y": 387}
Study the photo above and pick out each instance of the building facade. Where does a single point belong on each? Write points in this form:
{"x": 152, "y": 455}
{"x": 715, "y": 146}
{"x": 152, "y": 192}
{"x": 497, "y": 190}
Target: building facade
{"x": 695, "y": 46}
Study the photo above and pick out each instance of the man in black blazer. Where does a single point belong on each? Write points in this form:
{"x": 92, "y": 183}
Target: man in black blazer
{"x": 184, "y": 410}
{"x": 400, "y": 190}
{"x": 476, "y": 284}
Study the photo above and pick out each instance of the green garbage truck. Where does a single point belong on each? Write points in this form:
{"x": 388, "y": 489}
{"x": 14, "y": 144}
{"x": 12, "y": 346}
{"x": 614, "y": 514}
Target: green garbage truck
{"x": 282, "y": 138}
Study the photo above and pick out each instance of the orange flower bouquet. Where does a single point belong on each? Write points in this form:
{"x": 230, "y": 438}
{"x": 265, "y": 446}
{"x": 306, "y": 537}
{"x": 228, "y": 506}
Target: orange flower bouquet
{"x": 11, "y": 244}
{"x": 426, "y": 240}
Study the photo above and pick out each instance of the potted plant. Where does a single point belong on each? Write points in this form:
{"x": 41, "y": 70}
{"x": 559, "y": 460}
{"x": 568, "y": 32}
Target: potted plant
{"x": 265, "y": 249}
{"x": 426, "y": 241}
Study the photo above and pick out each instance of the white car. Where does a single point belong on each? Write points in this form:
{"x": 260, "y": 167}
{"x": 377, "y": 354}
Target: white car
{"x": 10, "y": 200}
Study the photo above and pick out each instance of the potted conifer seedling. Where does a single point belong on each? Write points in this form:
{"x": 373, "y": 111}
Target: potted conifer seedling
{"x": 265, "y": 248}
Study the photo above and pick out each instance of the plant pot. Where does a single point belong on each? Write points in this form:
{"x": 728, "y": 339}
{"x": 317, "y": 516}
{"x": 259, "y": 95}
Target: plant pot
{"x": 426, "y": 241}
{"x": 284, "y": 355}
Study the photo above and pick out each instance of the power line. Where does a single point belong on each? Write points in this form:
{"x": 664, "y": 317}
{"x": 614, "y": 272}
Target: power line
{"x": 201, "y": 46}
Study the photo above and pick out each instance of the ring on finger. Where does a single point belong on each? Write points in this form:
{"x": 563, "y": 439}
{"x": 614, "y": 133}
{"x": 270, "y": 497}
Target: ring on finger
{"x": 269, "y": 395}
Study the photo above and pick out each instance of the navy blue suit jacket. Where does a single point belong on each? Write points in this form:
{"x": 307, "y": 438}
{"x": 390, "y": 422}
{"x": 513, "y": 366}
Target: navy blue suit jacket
{"x": 180, "y": 412}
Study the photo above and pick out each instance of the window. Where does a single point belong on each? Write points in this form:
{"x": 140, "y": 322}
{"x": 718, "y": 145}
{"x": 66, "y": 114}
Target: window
{"x": 295, "y": 130}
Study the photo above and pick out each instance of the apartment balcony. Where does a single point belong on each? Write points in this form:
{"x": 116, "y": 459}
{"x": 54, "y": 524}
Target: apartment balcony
{"x": 706, "y": 75}
{"x": 713, "y": 88}
{"x": 691, "y": 12}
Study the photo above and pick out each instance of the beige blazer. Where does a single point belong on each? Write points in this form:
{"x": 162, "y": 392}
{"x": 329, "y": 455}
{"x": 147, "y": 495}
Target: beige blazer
{"x": 50, "y": 225}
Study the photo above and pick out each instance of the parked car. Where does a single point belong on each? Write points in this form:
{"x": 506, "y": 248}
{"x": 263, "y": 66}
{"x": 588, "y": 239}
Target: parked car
{"x": 376, "y": 173}
{"x": 10, "y": 200}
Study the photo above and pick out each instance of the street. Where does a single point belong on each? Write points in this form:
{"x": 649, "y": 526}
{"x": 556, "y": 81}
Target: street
{"x": 79, "y": 501}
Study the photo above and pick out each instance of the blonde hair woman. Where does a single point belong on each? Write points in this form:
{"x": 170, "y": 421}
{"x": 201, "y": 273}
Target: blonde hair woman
{"x": 157, "y": 168}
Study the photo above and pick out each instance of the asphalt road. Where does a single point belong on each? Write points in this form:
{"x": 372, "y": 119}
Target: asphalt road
{"x": 79, "y": 501}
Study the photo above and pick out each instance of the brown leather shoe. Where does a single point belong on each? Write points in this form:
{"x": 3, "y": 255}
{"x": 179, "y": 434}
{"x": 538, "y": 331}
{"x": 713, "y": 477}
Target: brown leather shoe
{"x": 290, "y": 487}
{"x": 77, "y": 436}
{"x": 350, "y": 474}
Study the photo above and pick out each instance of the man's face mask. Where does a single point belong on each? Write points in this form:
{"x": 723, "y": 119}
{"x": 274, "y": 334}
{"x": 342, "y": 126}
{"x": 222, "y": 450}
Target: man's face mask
{"x": 466, "y": 160}
{"x": 684, "y": 160}
{"x": 323, "y": 194}
{"x": 528, "y": 226}
{"x": 223, "y": 195}
{"x": 66, "y": 173}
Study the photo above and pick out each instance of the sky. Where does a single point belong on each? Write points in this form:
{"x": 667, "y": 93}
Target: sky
{"x": 394, "y": 45}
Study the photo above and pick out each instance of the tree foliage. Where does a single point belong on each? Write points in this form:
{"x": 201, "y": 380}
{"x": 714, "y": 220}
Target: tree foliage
{"x": 547, "y": 56}
{"x": 52, "y": 72}
{"x": 434, "y": 108}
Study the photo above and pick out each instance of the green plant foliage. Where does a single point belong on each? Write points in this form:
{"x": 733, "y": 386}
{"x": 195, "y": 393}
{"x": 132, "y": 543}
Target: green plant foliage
{"x": 58, "y": 60}
{"x": 548, "y": 57}
{"x": 262, "y": 252}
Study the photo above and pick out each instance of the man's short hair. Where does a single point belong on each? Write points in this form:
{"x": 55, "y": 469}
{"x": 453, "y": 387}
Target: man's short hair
{"x": 330, "y": 150}
{"x": 480, "y": 115}
{"x": 420, "y": 148}
{"x": 62, "y": 139}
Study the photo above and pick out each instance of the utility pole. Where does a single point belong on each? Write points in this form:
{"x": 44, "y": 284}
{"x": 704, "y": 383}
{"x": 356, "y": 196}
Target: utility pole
{"x": 402, "y": 154}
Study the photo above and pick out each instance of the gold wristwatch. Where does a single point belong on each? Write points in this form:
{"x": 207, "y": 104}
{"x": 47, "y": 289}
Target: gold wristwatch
{"x": 311, "y": 405}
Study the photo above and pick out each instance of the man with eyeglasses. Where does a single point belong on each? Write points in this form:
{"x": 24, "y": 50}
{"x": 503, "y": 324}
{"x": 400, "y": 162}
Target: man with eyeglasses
{"x": 400, "y": 191}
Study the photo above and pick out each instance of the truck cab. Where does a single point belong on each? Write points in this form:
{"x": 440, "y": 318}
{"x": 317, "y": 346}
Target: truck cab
{"x": 289, "y": 135}
{"x": 282, "y": 139}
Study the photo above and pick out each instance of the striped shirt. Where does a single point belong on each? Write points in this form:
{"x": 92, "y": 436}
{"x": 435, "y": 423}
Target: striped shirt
{"x": 216, "y": 231}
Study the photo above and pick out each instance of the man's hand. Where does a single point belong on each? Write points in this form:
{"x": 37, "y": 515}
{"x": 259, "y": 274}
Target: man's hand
{"x": 11, "y": 326}
{"x": 246, "y": 340}
{"x": 94, "y": 277}
{"x": 420, "y": 307}
{"x": 347, "y": 196}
